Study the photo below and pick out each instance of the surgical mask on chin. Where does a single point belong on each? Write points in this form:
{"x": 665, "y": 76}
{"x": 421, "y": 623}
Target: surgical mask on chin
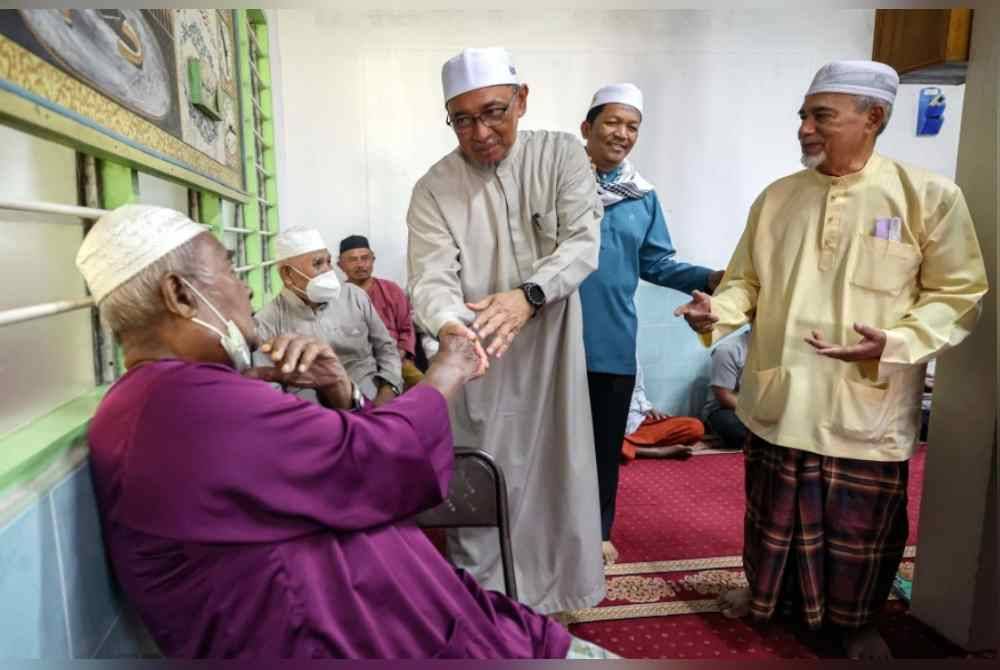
{"x": 232, "y": 340}
{"x": 321, "y": 288}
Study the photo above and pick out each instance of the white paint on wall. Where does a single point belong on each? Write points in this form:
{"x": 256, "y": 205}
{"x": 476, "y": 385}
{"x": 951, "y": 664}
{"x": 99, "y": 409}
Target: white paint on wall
{"x": 363, "y": 117}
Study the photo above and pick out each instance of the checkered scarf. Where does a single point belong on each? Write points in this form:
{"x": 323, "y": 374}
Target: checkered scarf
{"x": 625, "y": 184}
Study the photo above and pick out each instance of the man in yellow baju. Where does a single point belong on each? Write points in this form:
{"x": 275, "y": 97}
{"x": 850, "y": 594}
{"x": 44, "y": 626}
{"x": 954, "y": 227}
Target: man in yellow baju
{"x": 856, "y": 246}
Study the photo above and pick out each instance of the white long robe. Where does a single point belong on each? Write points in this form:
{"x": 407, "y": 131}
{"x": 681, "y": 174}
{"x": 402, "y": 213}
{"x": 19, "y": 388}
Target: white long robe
{"x": 474, "y": 231}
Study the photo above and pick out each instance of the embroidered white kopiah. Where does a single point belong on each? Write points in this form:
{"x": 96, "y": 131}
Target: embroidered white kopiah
{"x": 297, "y": 241}
{"x": 857, "y": 77}
{"x": 624, "y": 94}
{"x": 477, "y": 68}
{"x": 126, "y": 241}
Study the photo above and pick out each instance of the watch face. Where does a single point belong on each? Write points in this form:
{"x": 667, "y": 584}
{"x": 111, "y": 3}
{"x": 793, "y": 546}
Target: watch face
{"x": 535, "y": 295}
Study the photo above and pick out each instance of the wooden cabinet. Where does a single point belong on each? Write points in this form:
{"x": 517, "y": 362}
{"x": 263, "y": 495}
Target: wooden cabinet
{"x": 915, "y": 40}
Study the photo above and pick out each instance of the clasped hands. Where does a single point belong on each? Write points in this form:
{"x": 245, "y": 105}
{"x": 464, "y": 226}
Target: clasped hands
{"x": 500, "y": 317}
{"x": 698, "y": 314}
{"x": 307, "y": 363}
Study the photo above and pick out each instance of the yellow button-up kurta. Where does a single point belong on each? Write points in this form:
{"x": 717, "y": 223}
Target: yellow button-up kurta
{"x": 809, "y": 260}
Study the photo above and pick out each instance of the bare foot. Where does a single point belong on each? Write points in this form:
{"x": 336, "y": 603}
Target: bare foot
{"x": 672, "y": 451}
{"x": 610, "y": 553}
{"x": 865, "y": 644}
{"x": 735, "y": 604}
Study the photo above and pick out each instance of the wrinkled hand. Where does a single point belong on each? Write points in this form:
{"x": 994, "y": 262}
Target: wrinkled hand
{"x": 463, "y": 355}
{"x": 307, "y": 363}
{"x": 698, "y": 313}
{"x": 656, "y": 416}
{"x": 455, "y": 329}
{"x": 713, "y": 280}
{"x": 870, "y": 347}
{"x": 501, "y": 315}
{"x": 459, "y": 360}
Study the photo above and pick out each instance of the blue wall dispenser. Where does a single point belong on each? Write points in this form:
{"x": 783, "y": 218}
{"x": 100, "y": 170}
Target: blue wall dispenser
{"x": 930, "y": 111}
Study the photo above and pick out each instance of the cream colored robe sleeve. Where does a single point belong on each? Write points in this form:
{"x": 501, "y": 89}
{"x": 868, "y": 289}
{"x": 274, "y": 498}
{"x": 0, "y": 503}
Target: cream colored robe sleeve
{"x": 952, "y": 282}
{"x": 579, "y": 212}
{"x": 433, "y": 254}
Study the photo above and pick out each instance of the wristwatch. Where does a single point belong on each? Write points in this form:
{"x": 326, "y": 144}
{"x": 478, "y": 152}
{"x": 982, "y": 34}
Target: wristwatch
{"x": 382, "y": 381}
{"x": 534, "y": 294}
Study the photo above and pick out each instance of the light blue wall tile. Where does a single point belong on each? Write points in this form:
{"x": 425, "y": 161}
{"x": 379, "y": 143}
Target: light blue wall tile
{"x": 32, "y": 614}
{"x": 674, "y": 363}
{"x": 92, "y": 601}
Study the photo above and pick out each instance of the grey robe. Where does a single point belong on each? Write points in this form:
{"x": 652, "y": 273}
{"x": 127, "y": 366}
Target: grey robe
{"x": 352, "y": 327}
{"x": 474, "y": 231}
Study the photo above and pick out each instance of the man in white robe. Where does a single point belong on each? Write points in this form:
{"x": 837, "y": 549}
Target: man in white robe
{"x": 502, "y": 231}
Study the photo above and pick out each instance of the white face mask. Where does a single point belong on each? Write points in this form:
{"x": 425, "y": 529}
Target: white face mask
{"x": 321, "y": 288}
{"x": 232, "y": 340}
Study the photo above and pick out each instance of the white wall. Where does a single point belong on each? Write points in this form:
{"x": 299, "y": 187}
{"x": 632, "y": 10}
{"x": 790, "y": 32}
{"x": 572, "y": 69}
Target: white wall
{"x": 363, "y": 116}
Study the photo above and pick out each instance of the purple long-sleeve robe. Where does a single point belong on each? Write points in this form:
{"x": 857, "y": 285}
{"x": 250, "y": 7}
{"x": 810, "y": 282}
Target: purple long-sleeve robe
{"x": 242, "y": 521}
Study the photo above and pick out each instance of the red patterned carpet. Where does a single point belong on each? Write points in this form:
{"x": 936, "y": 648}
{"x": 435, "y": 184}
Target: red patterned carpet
{"x": 679, "y": 533}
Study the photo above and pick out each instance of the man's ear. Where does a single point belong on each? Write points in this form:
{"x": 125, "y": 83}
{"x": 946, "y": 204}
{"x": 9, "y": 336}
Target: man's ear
{"x": 585, "y": 129}
{"x": 178, "y": 298}
{"x": 522, "y": 96}
{"x": 876, "y": 117}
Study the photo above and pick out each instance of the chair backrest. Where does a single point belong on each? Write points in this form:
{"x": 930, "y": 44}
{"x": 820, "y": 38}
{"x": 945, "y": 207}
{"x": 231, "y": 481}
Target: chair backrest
{"x": 477, "y": 498}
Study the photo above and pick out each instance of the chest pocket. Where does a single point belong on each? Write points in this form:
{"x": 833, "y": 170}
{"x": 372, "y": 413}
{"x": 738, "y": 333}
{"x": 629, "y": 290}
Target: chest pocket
{"x": 546, "y": 230}
{"x": 884, "y": 266}
{"x": 350, "y": 340}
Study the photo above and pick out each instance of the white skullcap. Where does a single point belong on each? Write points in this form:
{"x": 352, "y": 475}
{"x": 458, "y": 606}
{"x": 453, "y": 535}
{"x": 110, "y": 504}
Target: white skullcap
{"x": 857, "y": 77}
{"x": 126, "y": 241}
{"x": 297, "y": 241}
{"x": 477, "y": 68}
{"x": 625, "y": 94}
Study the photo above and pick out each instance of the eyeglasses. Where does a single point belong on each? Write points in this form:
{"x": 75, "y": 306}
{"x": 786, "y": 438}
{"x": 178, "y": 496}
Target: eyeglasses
{"x": 490, "y": 118}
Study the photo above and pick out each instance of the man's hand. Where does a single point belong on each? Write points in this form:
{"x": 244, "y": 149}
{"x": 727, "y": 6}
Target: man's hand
{"x": 455, "y": 329}
{"x": 307, "y": 363}
{"x": 385, "y": 394}
{"x": 458, "y": 361}
{"x": 698, "y": 313}
{"x": 656, "y": 416}
{"x": 501, "y": 315}
{"x": 870, "y": 347}
{"x": 714, "y": 278}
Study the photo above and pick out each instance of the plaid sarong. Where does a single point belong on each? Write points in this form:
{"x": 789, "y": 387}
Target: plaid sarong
{"x": 822, "y": 535}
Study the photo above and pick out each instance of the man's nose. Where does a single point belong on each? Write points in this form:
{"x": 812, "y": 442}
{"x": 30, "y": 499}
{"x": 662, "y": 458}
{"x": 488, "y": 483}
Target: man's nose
{"x": 481, "y": 131}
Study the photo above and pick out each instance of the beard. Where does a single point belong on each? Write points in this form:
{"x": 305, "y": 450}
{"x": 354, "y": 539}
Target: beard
{"x": 813, "y": 161}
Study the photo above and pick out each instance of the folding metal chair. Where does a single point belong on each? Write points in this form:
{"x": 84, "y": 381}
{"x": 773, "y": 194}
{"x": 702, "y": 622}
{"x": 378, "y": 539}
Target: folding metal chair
{"x": 477, "y": 498}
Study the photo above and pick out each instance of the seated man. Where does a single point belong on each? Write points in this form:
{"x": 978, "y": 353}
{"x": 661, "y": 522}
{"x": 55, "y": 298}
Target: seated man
{"x": 652, "y": 434}
{"x": 357, "y": 260}
{"x": 245, "y": 522}
{"x": 728, "y": 359}
{"x": 315, "y": 304}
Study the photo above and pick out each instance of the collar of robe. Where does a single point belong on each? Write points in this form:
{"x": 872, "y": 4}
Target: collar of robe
{"x": 870, "y": 168}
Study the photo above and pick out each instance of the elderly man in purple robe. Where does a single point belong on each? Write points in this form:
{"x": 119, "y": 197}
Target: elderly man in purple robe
{"x": 245, "y": 522}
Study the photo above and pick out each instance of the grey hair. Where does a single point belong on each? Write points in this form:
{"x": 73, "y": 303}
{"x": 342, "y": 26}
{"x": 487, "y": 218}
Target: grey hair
{"x": 138, "y": 303}
{"x": 865, "y": 102}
